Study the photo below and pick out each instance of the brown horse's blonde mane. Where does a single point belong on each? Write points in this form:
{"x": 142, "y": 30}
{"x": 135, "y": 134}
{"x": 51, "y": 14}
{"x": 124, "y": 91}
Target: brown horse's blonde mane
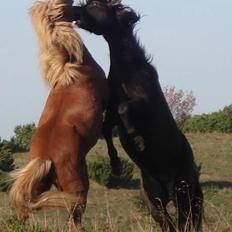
{"x": 61, "y": 48}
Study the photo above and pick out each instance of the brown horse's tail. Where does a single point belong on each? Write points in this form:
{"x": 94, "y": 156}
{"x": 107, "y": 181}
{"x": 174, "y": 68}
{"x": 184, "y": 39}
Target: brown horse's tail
{"x": 25, "y": 193}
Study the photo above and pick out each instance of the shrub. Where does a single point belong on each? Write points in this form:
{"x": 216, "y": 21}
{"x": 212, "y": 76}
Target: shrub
{"x": 6, "y": 160}
{"x": 220, "y": 121}
{"x": 14, "y": 224}
{"x": 6, "y": 164}
{"x": 5, "y": 181}
{"x": 180, "y": 102}
{"x": 100, "y": 171}
{"x": 140, "y": 205}
{"x": 9, "y": 145}
{"x": 23, "y": 136}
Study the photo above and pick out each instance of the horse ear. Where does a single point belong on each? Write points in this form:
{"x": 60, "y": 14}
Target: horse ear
{"x": 114, "y": 2}
{"x": 127, "y": 16}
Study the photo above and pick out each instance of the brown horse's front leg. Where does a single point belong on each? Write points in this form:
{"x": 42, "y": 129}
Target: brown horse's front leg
{"x": 124, "y": 110}
{"x": 73, "y": 181}
{"x": 112, "y": 152}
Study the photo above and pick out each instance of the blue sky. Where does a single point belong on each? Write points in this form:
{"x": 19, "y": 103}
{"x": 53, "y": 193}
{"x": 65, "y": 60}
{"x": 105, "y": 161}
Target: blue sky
{"x": 190, "y": 42}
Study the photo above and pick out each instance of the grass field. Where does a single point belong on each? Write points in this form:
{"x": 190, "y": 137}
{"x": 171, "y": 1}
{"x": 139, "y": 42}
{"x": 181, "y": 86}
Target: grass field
{"x": 113, "y": 210}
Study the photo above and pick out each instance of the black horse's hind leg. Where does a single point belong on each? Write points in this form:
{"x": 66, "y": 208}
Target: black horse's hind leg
{"x": 189, "y": 207}
{"x": 189, "y": 196}
{"x": 183, "y": 204}
{"x": 156, "y": 200}
{"x": 197, "y": 207}
{"x": 125, "y": 109}
{"x": 112, "y": 152}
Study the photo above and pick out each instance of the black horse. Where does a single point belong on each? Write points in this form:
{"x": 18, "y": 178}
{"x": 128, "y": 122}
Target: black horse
{"x": 147, "y": 129}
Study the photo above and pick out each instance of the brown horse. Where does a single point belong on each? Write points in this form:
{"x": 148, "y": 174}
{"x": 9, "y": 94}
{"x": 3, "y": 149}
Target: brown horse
{"x": 71, "y": 121}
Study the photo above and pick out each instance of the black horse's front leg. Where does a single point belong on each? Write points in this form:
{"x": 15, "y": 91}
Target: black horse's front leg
{"x": 125, "y": 109}
{"x": 112, "y": 152}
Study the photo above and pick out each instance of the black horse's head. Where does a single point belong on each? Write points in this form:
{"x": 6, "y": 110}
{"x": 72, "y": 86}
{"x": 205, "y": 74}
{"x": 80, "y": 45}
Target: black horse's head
{"x": 103, "y": 16}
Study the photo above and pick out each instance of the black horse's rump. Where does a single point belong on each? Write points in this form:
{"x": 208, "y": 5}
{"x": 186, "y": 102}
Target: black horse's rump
{"x": 147, "y": 129}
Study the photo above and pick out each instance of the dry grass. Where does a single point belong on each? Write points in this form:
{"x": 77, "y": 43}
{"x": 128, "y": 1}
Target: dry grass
{"x": 113, "y": 210}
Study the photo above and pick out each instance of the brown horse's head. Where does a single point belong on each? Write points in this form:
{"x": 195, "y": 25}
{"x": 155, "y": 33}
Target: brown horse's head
{"x": 103, "y": 16}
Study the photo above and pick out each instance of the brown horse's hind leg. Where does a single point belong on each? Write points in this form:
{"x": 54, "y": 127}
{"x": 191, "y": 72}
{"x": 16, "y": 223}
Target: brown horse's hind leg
{"x": 72, "y": 178}
{"x": 151, "y": 192}
{"x": 41, "y": 187}
{"x": 24, "y": 215}
{"x": 189, "y": 200}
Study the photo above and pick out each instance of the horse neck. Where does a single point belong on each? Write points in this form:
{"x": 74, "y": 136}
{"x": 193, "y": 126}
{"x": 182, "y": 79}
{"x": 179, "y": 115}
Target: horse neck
{"x": 126, "y": 54}
{"x": 125, "y": 50}
{"x": 97, "y": 75}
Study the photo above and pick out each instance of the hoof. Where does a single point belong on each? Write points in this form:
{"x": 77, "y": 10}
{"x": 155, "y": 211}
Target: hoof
{"x": 75, "y": 226}
{"x": 24, "y": 215}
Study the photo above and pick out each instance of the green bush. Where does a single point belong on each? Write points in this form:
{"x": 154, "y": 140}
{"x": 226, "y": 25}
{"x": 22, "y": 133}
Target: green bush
{"x": 220, "y": 121}
{"x": 13, "y": 224}
{"x": 6, "y": 164}
{"x": 140, "y": 204}
{"x": 6, "y": 160}
{"x": 5, "y": 181}
{"x": 100, "y": 171}
{"x": 21, "y": 141}
{"x": 9, "y": 144}
{"x": 23, "y": 136}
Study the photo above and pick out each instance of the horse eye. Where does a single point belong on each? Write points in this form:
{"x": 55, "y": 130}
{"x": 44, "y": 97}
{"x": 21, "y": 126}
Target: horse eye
{"x": 95, "y": 3}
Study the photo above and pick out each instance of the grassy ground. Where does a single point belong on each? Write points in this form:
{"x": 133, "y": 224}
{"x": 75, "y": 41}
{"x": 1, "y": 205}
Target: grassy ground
{"x": 113, "y": 210}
